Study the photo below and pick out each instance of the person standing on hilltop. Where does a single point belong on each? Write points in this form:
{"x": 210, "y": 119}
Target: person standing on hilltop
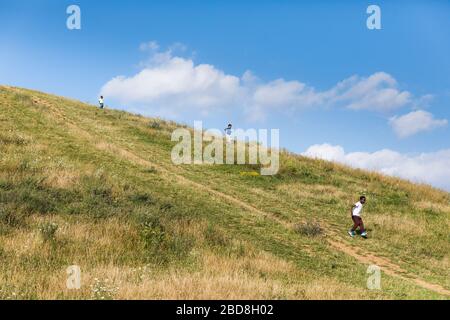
{"x": 228, "y": 132}
{"x": 356, "y": 217}
{"x": 101, "y": 102}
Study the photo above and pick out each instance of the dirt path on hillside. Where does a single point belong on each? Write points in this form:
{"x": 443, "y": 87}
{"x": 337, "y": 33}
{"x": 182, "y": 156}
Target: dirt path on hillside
{"x": 387, "y": 266}
{"x": 341, "y": 245}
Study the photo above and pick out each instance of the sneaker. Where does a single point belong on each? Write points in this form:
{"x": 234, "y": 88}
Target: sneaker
{"x": 351, "y": 233}
{"x": 364, "y": 234}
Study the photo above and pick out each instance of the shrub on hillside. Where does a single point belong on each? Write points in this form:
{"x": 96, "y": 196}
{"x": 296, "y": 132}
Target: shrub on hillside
{"x": 10, "y": 139}
{"x": 142, "y": 198}
{"x": 163, "y": 242}
{"x": 10, "y": 218}
{"x": 310, "y": 229}
{"x": 48, "y": 231}
{"x": 154, "y": 125}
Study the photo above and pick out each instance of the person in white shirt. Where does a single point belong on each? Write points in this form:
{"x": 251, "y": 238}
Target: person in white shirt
{"x": 228, "y": 132}
{"x": 101, "y": 102}
{"x": 356, "y": 217}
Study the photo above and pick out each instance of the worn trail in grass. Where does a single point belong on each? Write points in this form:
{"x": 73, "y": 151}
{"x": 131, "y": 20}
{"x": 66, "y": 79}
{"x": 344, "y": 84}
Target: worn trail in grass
{"x": 257, "y": 211}
{"x": 360, "y": 255}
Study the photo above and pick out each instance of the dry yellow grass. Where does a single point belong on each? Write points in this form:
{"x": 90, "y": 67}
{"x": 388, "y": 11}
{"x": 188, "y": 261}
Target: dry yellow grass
{"x": 221, "y": 278}
{"x": 438, "y": 206}
{"x": 61, "y": 178}
{"x": 221, "y": 234}
{"x": 254, "y": 275}
{"x": 399, "y": 224}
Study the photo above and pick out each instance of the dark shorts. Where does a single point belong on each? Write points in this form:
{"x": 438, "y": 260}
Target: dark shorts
{"x": 356, "y": 219}
{"x": 358, "y": 222}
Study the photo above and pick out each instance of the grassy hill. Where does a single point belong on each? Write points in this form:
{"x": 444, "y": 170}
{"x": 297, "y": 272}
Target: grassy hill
{"x": 97, "y": 189}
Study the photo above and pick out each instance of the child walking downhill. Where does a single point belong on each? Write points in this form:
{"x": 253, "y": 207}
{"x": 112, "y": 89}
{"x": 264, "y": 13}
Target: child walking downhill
{"x": 357, "y": 220}
{"x": 101, "y": 102}
{"x": 228, "y": 133}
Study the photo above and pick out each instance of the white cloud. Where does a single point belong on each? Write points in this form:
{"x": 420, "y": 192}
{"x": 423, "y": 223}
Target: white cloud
{"x": 326, "y": 152}
{"x": 281, "y": 95}
{"x": 431, "y": 168}
{"x": 377, "y": 92}
{"x": 169, "y": 83}
{"x": 177, "y": 84}
{"x": 414, "y": 122}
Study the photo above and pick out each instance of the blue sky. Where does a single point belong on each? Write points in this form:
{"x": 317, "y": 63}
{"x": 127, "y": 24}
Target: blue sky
{"x": 294, "y": 54}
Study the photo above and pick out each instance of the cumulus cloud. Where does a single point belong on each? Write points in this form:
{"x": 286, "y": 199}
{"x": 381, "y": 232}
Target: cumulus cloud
{"x": 377, "y": 92}
{"x": 280, "y": 95}
{"x": 414, "y": 122}
{"x": 176, "y": 84}
{"x": 431, "y": 168}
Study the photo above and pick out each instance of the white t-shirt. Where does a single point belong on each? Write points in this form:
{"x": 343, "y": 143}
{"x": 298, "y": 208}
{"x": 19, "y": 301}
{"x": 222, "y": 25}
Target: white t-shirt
{"x": 228, "y": 131}
{"x": 357, "y": 209}
{"x": 100, "y": 101}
